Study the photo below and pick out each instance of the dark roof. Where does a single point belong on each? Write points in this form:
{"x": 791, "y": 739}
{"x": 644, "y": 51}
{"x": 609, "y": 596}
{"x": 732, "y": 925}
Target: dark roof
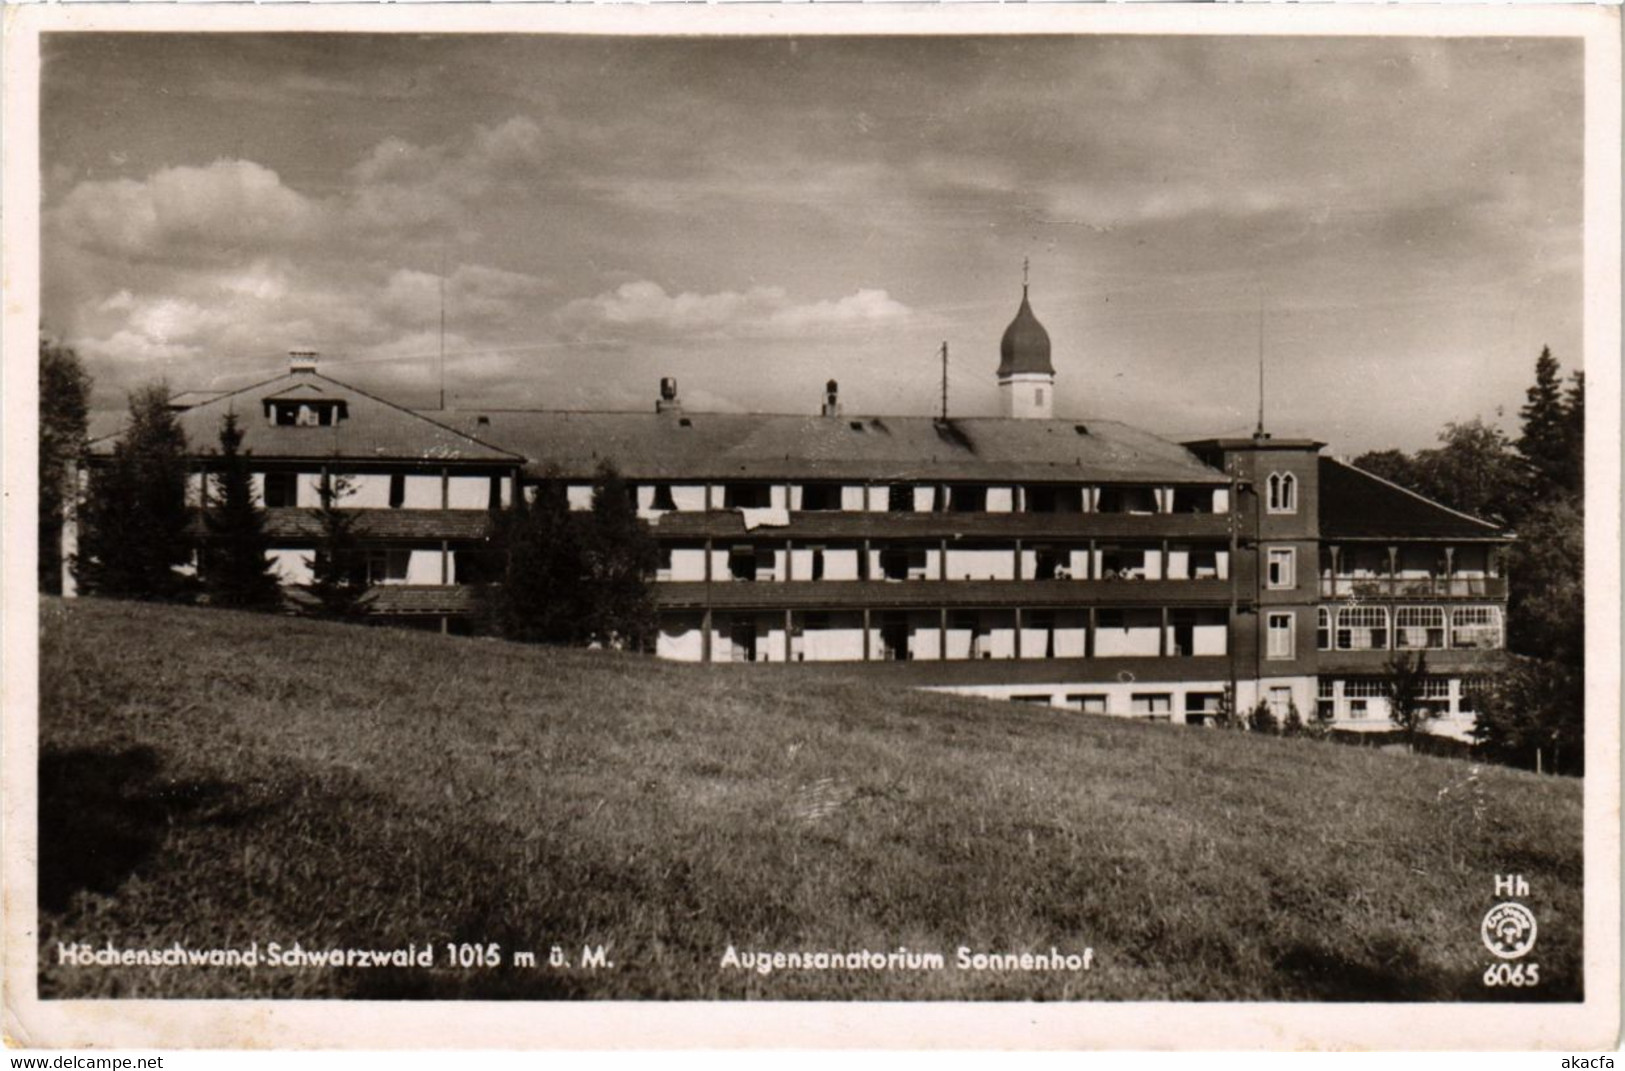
{"x": 1025, "y": 346}
{"x": 1354, "y": 504}
{"x": 763, "y": 446}
{"x": 373, "y": 430}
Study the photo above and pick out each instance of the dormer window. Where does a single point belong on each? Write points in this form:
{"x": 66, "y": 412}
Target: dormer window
{"x": 1283, "y": 492}
{"x": 305, "y": 413}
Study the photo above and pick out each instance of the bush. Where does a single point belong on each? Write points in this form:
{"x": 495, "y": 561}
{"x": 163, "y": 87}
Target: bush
{"x": 1263, "y": 720}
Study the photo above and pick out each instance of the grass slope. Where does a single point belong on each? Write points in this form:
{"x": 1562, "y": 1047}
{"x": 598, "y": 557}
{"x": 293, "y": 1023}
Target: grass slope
{"x": 214, "y": 779}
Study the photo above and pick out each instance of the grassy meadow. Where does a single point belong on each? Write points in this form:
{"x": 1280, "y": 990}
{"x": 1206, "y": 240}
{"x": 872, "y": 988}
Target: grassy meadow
{"x": 217, "y": 779}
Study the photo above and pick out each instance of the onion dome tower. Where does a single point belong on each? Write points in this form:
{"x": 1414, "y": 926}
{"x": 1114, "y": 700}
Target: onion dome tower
{"x": 1026, "y": 376}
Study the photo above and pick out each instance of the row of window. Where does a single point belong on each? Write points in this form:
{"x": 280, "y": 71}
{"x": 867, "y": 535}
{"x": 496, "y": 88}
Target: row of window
{"x": 1414, "y": 628}
{"x": 751, "y": 562}
{"x": 920, "y": 498}
{"x": 1361, "y": 698}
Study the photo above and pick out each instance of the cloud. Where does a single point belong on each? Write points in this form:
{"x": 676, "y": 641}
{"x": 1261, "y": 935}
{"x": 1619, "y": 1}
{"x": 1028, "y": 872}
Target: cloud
{"x": 645, "y": 307}
{"x": 211, "y": 212}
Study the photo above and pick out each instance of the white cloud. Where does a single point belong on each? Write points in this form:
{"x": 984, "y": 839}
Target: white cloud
{"x": 646, "y": 307}
{"x": 228, "y": 205}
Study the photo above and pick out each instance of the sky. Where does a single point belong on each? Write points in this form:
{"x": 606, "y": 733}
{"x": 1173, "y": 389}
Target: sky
{"x": 1395, "y": 222}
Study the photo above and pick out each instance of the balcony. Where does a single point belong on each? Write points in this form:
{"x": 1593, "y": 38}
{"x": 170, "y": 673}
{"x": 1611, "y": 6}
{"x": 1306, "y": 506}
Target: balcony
{"x": 1402, "y": 587}
{"x": 853, "y": 525}
{"x": 932, "y": 594}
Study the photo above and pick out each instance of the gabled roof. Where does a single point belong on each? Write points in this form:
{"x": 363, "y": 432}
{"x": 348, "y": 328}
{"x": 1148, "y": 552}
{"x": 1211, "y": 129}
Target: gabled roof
{"x": 373, "y": 430}
{"x": 1354, "y": 504}
{"x": 719, "y": 446}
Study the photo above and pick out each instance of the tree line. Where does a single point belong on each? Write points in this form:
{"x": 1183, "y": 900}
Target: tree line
{"x": 565, "y": 576}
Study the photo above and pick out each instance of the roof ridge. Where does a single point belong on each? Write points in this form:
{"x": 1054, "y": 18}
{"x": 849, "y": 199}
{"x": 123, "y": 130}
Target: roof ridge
{"x": 1498, "y": 529}
{"x": 412, "y": 413}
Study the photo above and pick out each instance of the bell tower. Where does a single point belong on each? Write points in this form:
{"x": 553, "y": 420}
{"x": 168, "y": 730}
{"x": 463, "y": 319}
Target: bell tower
{"x": 1026, "y": 376}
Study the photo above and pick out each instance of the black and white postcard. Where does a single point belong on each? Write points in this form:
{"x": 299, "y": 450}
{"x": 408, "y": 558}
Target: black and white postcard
{"x": 906, "y": 526}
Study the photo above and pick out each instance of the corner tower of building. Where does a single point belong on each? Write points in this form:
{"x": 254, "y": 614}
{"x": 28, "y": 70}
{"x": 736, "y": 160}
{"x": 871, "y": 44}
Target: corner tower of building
{"x": 1026, "y": 376}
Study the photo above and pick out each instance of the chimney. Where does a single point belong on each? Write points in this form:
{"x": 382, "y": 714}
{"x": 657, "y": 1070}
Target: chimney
{"x": 832, "y": 399}
{"x": 301, "y": 360}
{"x": 668, "y": 401}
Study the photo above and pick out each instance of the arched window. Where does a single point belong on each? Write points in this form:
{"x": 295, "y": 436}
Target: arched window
{"x": 1419, "y": 628}
{"x": 1476, "y": 626}
{"x": 1283, "y": 492}
{"x": 1362, "y": 628}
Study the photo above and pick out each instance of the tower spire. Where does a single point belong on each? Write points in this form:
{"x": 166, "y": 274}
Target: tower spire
{"x": 1024, "y": 265}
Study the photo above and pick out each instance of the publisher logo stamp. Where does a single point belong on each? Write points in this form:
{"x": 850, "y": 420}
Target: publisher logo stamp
{"x": 1509, "y": 930}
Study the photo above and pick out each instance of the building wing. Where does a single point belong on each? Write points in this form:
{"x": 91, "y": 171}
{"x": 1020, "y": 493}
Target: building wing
{"x": 1354, "y": 504}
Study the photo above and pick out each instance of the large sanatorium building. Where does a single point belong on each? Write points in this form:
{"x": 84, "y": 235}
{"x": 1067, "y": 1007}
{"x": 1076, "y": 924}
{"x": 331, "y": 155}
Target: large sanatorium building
{"x": 1078, "y": 563}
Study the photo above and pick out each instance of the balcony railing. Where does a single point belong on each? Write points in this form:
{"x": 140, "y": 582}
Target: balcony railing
{"x": 1403, "y": 587}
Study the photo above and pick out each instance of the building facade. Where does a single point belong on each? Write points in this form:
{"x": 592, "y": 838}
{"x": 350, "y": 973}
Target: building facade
{"x": 1081, "y": 564}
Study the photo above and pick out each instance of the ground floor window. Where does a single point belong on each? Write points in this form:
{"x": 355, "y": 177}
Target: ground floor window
{"x": 1151, "y": 703}
{"x": 1280, "y": 635}
{"x": 1089, "y": 703}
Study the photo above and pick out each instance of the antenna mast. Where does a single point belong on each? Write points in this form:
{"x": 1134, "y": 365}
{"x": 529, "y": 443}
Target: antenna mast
{"x": 442, "y": 328}
{"x": 1259, "y": 434}
{"x": 945, "y": 381}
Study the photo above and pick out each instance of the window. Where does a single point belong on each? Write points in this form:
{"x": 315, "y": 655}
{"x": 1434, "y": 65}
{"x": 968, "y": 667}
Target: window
{"x": 1088, "y": 703}
{"x": 1204, "y": 565}
{"x": 1419, "y": 628}
{"x": 387, "y": 566}
{"x": 1280, "y": 636}
{"x": 1472, "y": 693}
{"x": 742, "y": 563}
{"x": 900, "y": 498}
{"x": 662, "y": 497}
{"x": 1038, "y": 395}
{"x": 747, "y": 496}
{"x": 310, "y": 414}
{"x": 1203, "y": 702}
{"x": 1282, "y": 567}
{"x": 663, "y": 565}
{"x": 1476, "y": 627}
{"x": 1283, "y": 492}
{"x": 969, "y": 498}
{"x": 1151, "y": 703}
{"x": 1323, "y": 632}
{"x": 281, "y": 489}
{"x": 1362, "y": 628}
{"x": 817, "y": 562}
{"x": 1122, "y": 563}
{"x": 821, "y": 497}
{"x": 1037, "y": 699}
{"x": 397, "y": 490}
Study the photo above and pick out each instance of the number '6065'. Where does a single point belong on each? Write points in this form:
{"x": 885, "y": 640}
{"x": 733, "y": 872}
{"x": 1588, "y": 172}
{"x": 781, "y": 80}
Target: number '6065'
{"x": 1513, "y": 974}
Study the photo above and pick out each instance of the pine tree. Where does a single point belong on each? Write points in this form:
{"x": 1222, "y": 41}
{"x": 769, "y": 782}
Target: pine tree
{"x": 135, "y": 526}
{"x": 620, "y": 561}
{"x": 236, "y": 572}
{"x": 1544, "y": 444}
{"x": 541, "y": 598}
{"x": 339, "y": 567}
{"x": 1574, "y": 439}
{"x": 64, "y": 406}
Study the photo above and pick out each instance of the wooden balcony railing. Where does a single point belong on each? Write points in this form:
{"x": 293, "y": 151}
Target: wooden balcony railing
{"x": 1425, "y": 587}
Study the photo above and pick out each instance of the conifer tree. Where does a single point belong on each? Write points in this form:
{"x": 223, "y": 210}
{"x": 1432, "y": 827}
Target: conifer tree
{"x": 135, "y": 526}
{"x": 339, "y": 567}
{"x": 1545, "y": 442}
{"x": 620, "y": 561}
{"x": 64, "y": 406}
{"x": 235, "y": 570}
{"x": 541, "y": 597}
